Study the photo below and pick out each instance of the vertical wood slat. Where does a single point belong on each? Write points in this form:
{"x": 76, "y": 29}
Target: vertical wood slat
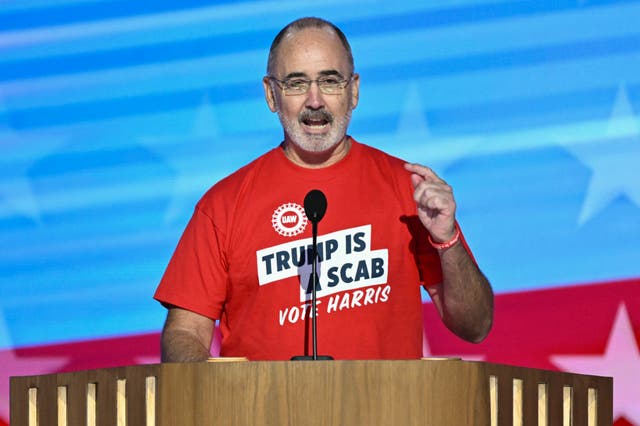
{"x": 92, "y": 389}
{"x": 62, "y": 406}
{"x": 517, "y": 402}
{"x": 33, "y": 407}
{"x": 567, "y": 406}
{"x": 121, "y": 402}
{"x": 592, "y": 407}
{"x": 493, "y": 399}
{"x": 543, "y": 404}
{"x": 150, "y": 400}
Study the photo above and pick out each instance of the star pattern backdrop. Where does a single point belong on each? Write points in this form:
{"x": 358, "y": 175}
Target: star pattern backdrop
{"x": 116, "y": 116}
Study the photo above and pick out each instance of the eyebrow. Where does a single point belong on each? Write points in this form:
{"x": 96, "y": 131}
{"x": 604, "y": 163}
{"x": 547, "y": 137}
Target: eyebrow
{"x": 330, "y": 72}
{"x": 295, "y": 75}
{"x": 321, "y": 74}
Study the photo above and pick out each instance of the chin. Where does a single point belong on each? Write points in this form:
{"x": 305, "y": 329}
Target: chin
{"x": 315, "y": 144}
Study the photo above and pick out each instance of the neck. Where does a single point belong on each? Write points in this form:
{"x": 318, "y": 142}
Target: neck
{"x": 316, "y": 160}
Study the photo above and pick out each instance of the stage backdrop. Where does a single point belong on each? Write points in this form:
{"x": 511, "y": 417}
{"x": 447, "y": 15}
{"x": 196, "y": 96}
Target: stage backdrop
{"x": 115, "y": 116}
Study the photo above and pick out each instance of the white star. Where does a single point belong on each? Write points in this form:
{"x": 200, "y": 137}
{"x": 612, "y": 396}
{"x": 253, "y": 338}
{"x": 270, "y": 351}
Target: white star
{"x": 621, "y": 360}
{"x": 413, "y": 120}
{"x": 19, "y": 153}
{"x": 413, "y": 139}
{"x": 613, "y": 158}
{"x": 12, "y": 364}
{"x": 191, "y": 157}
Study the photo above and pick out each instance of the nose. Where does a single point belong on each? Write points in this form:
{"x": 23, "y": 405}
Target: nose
{"x": 314, "y": 97}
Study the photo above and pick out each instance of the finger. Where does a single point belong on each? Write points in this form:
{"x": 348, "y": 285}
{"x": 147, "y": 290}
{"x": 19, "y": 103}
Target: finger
{"x": 434, "y": 199}
{"x": 432, "y": 189}
{"x": 423, "y": 171}
{"x": 437, "y": 202}
{"x": 425, "y": 192}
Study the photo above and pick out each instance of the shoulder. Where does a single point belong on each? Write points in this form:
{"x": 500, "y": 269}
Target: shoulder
{"x": 386, "y": 163}
{"x": 377, "y": 155}
{"x": 388, "y": 168}
{"x": 232, "y": 186}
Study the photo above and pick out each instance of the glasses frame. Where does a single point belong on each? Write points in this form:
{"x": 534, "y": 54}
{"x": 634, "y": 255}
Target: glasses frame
{"x": 282, "y": 84}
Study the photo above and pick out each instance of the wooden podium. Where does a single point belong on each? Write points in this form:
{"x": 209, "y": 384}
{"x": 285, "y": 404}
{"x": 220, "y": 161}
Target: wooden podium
{"x": 420, "y": 392}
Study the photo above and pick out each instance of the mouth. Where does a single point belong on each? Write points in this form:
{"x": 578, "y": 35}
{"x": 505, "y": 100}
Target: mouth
{"x": 316, "y": 120}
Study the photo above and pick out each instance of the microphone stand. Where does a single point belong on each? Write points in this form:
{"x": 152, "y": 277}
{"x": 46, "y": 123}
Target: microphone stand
{"x": 315, "y": 202}
{"x": 314, "y": 278}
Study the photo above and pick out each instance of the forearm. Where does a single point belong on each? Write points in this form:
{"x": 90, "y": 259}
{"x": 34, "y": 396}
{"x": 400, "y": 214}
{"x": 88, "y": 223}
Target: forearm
{"x": 182, "y": 346}
{"x": 186, "y": 336}
{"x": 466, "y": 296}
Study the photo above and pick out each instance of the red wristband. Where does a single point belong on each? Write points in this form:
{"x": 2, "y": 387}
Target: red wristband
{"x": 446, "y": 244}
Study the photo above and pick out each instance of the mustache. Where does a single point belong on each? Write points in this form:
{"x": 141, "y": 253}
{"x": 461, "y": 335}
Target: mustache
{"x": 316, "y": 115}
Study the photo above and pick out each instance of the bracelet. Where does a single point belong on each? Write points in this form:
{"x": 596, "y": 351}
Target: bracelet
{"x": 446, "y": 244}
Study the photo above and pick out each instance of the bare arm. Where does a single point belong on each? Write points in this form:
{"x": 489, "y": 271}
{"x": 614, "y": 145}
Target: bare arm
{"x": 186, "y": 336}
{"x": 464, "y": 299}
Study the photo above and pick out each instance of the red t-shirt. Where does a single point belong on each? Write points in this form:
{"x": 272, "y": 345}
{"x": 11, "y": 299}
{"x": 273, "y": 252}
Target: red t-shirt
{"x": 244, "y": 259}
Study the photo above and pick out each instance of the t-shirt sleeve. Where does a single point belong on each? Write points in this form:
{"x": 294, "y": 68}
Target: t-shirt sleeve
{"x": 426, "y": 257}
{"x": 196, "y": 277}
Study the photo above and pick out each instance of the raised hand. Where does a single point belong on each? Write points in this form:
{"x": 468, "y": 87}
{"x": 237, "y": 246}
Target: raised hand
{"x": 435, "y": 202}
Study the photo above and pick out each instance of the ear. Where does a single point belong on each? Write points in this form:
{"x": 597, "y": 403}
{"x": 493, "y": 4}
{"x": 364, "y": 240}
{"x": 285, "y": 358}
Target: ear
{"x": 355, "y": 90}
{"x": 268, "y": 94}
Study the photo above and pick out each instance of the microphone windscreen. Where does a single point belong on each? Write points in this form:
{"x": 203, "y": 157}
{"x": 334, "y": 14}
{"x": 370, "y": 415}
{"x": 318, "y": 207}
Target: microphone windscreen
{"x": 315, "y": 205}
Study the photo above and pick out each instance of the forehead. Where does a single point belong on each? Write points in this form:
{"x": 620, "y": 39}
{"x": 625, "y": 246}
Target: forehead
{"x": 311, "y": 51}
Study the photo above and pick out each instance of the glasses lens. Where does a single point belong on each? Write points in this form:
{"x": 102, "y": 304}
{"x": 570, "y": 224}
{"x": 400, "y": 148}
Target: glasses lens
{"x": 300, "y": 86}
{"x": 296, "y": 86}
{"x": 330, "y": 85}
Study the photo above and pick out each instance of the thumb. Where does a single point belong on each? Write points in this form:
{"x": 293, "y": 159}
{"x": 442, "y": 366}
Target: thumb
{"x": 416, "y": 179}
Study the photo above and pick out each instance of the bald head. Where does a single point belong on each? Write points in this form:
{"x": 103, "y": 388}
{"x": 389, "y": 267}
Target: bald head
{"x": 302, "y": 24}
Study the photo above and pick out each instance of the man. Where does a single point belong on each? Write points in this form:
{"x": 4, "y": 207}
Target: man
{"x": 389, "y": 228}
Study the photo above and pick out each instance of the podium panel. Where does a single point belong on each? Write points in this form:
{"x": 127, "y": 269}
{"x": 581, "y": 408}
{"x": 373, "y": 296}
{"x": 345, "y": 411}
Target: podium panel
{"x": 411, "y": 392}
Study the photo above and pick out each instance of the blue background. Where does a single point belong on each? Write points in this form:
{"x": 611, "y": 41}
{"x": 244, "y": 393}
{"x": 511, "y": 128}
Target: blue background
{"x": 116, "y": 116}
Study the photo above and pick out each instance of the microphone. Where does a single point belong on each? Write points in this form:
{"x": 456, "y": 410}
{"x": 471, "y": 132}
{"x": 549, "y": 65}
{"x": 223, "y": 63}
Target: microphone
{"x": 315, "y": 206}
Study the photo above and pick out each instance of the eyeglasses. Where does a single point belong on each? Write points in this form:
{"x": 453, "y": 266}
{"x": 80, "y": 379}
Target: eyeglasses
{"x": 329, "y": 84}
